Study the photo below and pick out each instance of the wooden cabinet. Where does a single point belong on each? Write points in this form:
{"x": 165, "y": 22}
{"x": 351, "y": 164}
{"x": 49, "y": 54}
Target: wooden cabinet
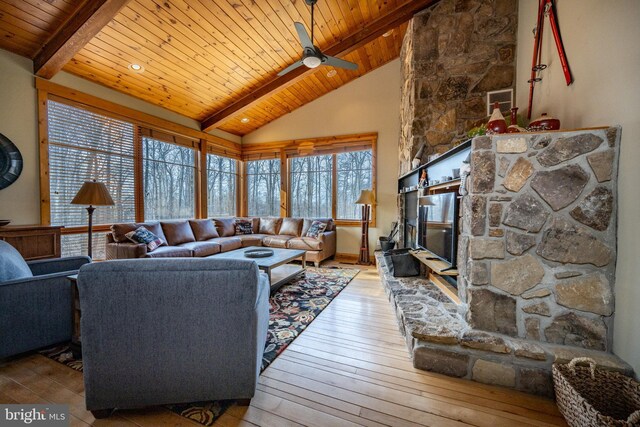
{"x": 33, "y": 241}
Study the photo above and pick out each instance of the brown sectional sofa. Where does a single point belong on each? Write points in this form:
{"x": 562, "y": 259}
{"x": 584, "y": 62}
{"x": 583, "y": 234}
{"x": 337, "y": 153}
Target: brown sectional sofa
{"x": 207, "y": 237}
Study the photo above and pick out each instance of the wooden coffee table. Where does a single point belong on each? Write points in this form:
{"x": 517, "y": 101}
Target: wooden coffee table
{"x": 276, "y": 266}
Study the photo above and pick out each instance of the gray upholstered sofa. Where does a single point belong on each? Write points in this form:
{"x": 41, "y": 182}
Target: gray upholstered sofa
{"x": 35, "y": 301}
{"x": 161, "y": 331}
{"x": 207, "y": 237}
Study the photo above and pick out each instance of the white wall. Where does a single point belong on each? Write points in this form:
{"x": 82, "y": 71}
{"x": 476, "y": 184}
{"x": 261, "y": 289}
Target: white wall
{"x": 20, "y": 202}
{"x": 368, "y": 104}
{"x": 601, "y": 40}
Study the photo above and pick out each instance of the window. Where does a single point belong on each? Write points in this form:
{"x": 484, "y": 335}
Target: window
{"x": 84, "y": 145}
{"x": 169, "y": 180}
{"x": 324, "y": 177}
{"x": 354, "y": 173}
{"x": 310, "y": 186}
{"x": 221, "y": 185}
{"x": 263, "y": 187}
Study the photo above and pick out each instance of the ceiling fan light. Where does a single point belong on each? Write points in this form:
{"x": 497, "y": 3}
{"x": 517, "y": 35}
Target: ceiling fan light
{"x": 312, "y": 61}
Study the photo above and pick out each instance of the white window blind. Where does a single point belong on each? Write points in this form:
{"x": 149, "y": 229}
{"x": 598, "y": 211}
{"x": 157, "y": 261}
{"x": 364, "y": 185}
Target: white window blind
{"x": 263, "y": 187}
{"x": 82, "y": 146}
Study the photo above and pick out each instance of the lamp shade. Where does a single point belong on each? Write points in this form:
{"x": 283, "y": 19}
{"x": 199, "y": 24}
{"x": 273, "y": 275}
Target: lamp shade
{"x": 366, "y": 198}
{"x": 93, "y": 193}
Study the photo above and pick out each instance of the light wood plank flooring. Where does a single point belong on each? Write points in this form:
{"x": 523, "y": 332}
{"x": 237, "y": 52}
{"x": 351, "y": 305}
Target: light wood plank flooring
{"x": 350, "y": 367}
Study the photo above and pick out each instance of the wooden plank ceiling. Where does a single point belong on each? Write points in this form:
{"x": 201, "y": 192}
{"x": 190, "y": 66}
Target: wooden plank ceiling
{"x": 201, "y": 56}
{"x": 26, "y": 25}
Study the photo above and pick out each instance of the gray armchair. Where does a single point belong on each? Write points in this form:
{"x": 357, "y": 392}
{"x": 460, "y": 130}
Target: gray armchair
{"x": 161, "y": 331}
{"x": 35, "y": 301}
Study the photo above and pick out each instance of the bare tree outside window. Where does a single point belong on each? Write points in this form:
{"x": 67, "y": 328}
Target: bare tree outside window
{"x": 263, "y": 187}
{"x": 221, "y": 185}
{"x": 311, "y": 186}
{"x": 169, "y": 180}
{"x": 354, "y": 173}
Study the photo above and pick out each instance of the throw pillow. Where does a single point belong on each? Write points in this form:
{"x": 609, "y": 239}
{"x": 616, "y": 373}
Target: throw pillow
{"x": 317, "y": 228}
{"x": 142, "y": 235}
{"x": 244, "y": 227}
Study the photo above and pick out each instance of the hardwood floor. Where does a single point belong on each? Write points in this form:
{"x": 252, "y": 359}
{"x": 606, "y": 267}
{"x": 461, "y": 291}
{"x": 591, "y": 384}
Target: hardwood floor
{"x": 350, "y": 367}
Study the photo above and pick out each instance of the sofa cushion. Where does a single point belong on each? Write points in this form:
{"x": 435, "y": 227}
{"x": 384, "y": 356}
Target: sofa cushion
{"x": 251, "y": 239}
{"x": 119, "y": 231}
{"x": 317, "y": 228}
{"x": 202, "y": 249}
{"x": 305, "y": 243}
{"x": 291, "y": 226}
{"x": 142, "y": 235}
{"x": 177, "y": 232}
{"x": 278, "y": 241}
{"x": 243, "y": 227}
{"x": 203, "y": 229}
{"x": 227, "y": 243}
{"x": 270, "y": 225}
{"x": 308, "y": 221}
{"x": 170, "y": 252}
{"x": 12, "y": 265}
{"x": 226, "y": 226}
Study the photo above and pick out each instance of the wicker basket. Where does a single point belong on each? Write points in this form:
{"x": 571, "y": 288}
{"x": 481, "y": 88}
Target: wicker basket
{"x": 590, "y": 397}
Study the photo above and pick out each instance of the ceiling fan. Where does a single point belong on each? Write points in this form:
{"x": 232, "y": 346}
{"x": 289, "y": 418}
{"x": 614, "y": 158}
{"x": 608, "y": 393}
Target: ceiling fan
{"x": 312, "y": 56}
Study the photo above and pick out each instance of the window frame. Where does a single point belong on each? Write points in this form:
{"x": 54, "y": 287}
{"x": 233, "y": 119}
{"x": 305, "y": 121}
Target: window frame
{"x": 144, "y": 124}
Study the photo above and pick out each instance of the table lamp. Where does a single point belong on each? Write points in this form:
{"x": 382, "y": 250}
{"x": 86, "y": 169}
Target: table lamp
{"x": 366, "y": 199}
{"x": 92, "y": 193}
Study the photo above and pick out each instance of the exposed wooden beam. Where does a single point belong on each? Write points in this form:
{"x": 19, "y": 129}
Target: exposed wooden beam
{"x": 74, "y": 34}
{"x": 368, "y": 33}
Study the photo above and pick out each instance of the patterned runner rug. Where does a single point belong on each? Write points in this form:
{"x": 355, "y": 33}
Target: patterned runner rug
{"x": 293, "y": 307}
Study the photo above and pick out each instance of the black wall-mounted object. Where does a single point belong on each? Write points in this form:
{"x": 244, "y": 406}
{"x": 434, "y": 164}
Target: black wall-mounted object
{"x": 10, "y": 162}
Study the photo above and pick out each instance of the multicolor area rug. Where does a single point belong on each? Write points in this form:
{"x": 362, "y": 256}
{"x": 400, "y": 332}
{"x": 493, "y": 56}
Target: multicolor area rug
{"x": 293, "y": 307}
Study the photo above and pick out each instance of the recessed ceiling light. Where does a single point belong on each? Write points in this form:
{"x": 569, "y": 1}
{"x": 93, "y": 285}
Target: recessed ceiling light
{"x": 388, "y": 33}
{"x": 136, "y": 68}
{"x": 245, "y": 120}
{"x": 332, "y": 73}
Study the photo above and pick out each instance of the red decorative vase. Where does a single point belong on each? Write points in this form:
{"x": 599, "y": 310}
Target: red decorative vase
{"x": 513, "y": 127}
{"x": 497, "y": 123}
{"x": 545, "y": 122}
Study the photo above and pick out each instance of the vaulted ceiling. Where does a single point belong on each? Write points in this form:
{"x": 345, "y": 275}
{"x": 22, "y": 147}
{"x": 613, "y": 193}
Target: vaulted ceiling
{"x": 215, "y": 61}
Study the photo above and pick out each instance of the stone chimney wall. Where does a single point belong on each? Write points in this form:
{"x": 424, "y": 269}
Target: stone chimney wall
{"x": 537, "y": 252}
{"x": 453, "y": 54}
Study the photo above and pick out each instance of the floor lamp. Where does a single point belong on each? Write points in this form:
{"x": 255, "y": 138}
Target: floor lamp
{"x": 92, "y": 193}
{"x": 366, "y": 199}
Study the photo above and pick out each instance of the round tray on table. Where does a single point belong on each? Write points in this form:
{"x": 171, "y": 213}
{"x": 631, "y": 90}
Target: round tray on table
{"x": 258, "y": 253}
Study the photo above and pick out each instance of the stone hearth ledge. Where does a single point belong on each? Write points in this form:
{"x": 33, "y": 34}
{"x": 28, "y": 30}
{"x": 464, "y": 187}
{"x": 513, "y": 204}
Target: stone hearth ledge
{"x": 440, "y": 340}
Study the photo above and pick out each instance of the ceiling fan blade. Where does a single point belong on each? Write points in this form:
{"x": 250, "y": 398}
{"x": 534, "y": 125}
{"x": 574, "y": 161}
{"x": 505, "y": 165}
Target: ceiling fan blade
{"x": 305, "y": 41}
{"x": 290, "y": 68}
{"x": 337, "y": 62}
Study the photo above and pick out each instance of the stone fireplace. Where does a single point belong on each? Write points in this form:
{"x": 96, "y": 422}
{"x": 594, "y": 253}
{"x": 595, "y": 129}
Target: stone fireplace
{"x": 536, "y": 262}
{"x": 453, "y": 54}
